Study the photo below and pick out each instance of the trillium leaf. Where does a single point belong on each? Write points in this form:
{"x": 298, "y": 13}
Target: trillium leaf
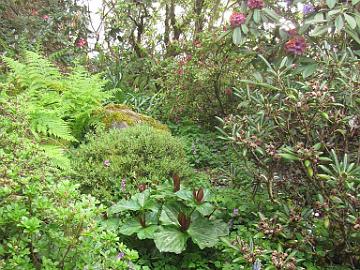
{"x": 202, "y": 231}
{"x": 147, "y": 232}
{"x": 124, "y": 205}
{"x": 142, "y": 197}
{"x": 205, "y": 208}
{"x": 184, "y": 194}
{"x": 169, "y": 239}
{"x": 130, "y": 227}
{"x": 169, "y": 215}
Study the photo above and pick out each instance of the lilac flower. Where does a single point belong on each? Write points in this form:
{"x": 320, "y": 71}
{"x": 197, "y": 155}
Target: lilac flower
{"x": 120, "y": 255}
{"x": 235, "y": 212}
{"x": 123, "y": 184}
{"x": 107, "y": 163}
{"x": 308, "y": 8}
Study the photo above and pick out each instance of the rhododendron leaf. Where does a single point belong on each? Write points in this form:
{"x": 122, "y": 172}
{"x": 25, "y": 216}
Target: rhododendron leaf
{"x": 319, "y": 30}
{"x": 331, "y": 3}
{"x": 271, "y": 14}
{"x": 350, "y": 20}
{"x": 309, "y": 70}
{"x": 339, "y": 23}
{"x": 257, "y": 16}
{"x": 354, "y": 2}
{"x": 169, "y": 239}
{"x": 245, "y": 29}
{"x": 237, "y": 36}
{"x": 147, "y": 232}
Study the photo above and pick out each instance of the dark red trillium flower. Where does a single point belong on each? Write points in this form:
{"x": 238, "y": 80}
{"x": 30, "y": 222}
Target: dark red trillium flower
{"x": 255, "y": 4}
{"x": 184, "y": 221}
{"x": 296, "y": 45}
{"x": 198, "y": 195}
{"x": 176, "y": 179}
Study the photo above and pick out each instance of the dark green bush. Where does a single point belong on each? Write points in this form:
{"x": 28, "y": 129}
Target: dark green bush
{"x": 112, "y": 164}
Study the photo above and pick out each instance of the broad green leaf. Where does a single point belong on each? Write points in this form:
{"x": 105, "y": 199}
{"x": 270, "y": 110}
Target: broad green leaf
{"x": 309, "y": 70}
{"x": 333, "y": 12}
{"x": 354, "y": 35}
{"x": 339, "y": 23}
{"x": 141, "y": 197}
{"x": 184, "y": 194}
{"x": 237, "y": 36}
{"x": 221, "y": 228}
{"x": 169, "y": 239}
{"x": 288, "y": 156}
{"x": 271, "y": 14}
{"x": 124, "y": 205}
{"x": 205, "y": 208}
{"x": 257, "y": 15}
{"x": 202, "y": 231}
{"x": 169, "y": 215}
{"x": 350, "y": 20}
{"x": 331, "y": 3}
{"x": 319, "y": 30}
{"x": 354, "y": 2}
{"x": 245, "y": 29}
{"x": 147, "y": 232}
{"x": 130, "y": 227}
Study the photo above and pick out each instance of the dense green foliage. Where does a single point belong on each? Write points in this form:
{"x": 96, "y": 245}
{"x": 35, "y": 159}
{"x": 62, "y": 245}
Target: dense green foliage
{"x": 45, "y": 223}
{"x": 113, "y": 164}
{"x": 263, "y": 102}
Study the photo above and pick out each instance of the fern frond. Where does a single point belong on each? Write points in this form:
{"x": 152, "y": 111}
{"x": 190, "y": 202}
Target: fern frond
{"x": 57, "y": 156}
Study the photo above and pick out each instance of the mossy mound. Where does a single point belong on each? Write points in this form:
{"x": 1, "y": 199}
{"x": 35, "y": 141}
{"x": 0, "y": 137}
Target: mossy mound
{"x": 118, "y": 116}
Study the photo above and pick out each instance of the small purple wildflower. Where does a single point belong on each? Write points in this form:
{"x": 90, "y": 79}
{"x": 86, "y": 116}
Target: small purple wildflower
{"x": 120, "y": 255}
{"x": 308, "y": 8}
{"x": 288, "y": 2}
{"x": 107, "y": 163}
{"x": 235, "y": 212}
{"x": 123, "y": 184}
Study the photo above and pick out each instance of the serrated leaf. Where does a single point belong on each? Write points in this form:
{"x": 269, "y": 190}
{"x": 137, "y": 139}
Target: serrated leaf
{"x": 350, "y": 20}
{"x": 169, "y": 239}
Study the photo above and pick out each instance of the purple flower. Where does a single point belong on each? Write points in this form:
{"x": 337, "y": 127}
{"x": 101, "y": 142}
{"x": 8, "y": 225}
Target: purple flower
{"x": 308, "y": 8}
{"x": 107, "y": 163}
{"x": 235, "y": 212}
{"x": 255, "y": 4}
{"x": 120, "y": 255}
{"x": 123, "y": 184}
{"x": 288, "y": 2}
{"x": 296, "y": 45}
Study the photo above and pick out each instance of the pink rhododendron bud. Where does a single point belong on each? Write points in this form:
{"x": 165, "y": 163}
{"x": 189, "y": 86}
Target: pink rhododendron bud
{"x": 255, "y": 4}
{"x": 296, "y": 45}
{"x": 45, "y": 17}
{"x": 237, "y": 19}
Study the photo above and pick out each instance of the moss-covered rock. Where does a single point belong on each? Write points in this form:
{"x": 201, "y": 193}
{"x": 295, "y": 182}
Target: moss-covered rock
{"x": 120, "y": 116}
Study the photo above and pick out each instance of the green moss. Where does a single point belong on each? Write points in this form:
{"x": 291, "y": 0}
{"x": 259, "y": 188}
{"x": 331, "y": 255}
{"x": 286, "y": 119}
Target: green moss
{"x": 119, "y": 113}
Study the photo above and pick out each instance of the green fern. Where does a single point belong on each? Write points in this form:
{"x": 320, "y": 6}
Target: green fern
{"x": 59, "y": 106}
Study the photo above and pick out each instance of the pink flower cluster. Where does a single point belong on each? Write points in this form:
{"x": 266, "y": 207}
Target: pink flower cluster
{"x": 237, "y": 19}
{"x": 255, "y": 4}
{"x": 296, "y": 45}
{"x": 81, "y": 43}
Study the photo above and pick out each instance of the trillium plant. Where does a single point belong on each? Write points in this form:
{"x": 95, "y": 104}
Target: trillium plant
{"x": 171, "y": 215}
